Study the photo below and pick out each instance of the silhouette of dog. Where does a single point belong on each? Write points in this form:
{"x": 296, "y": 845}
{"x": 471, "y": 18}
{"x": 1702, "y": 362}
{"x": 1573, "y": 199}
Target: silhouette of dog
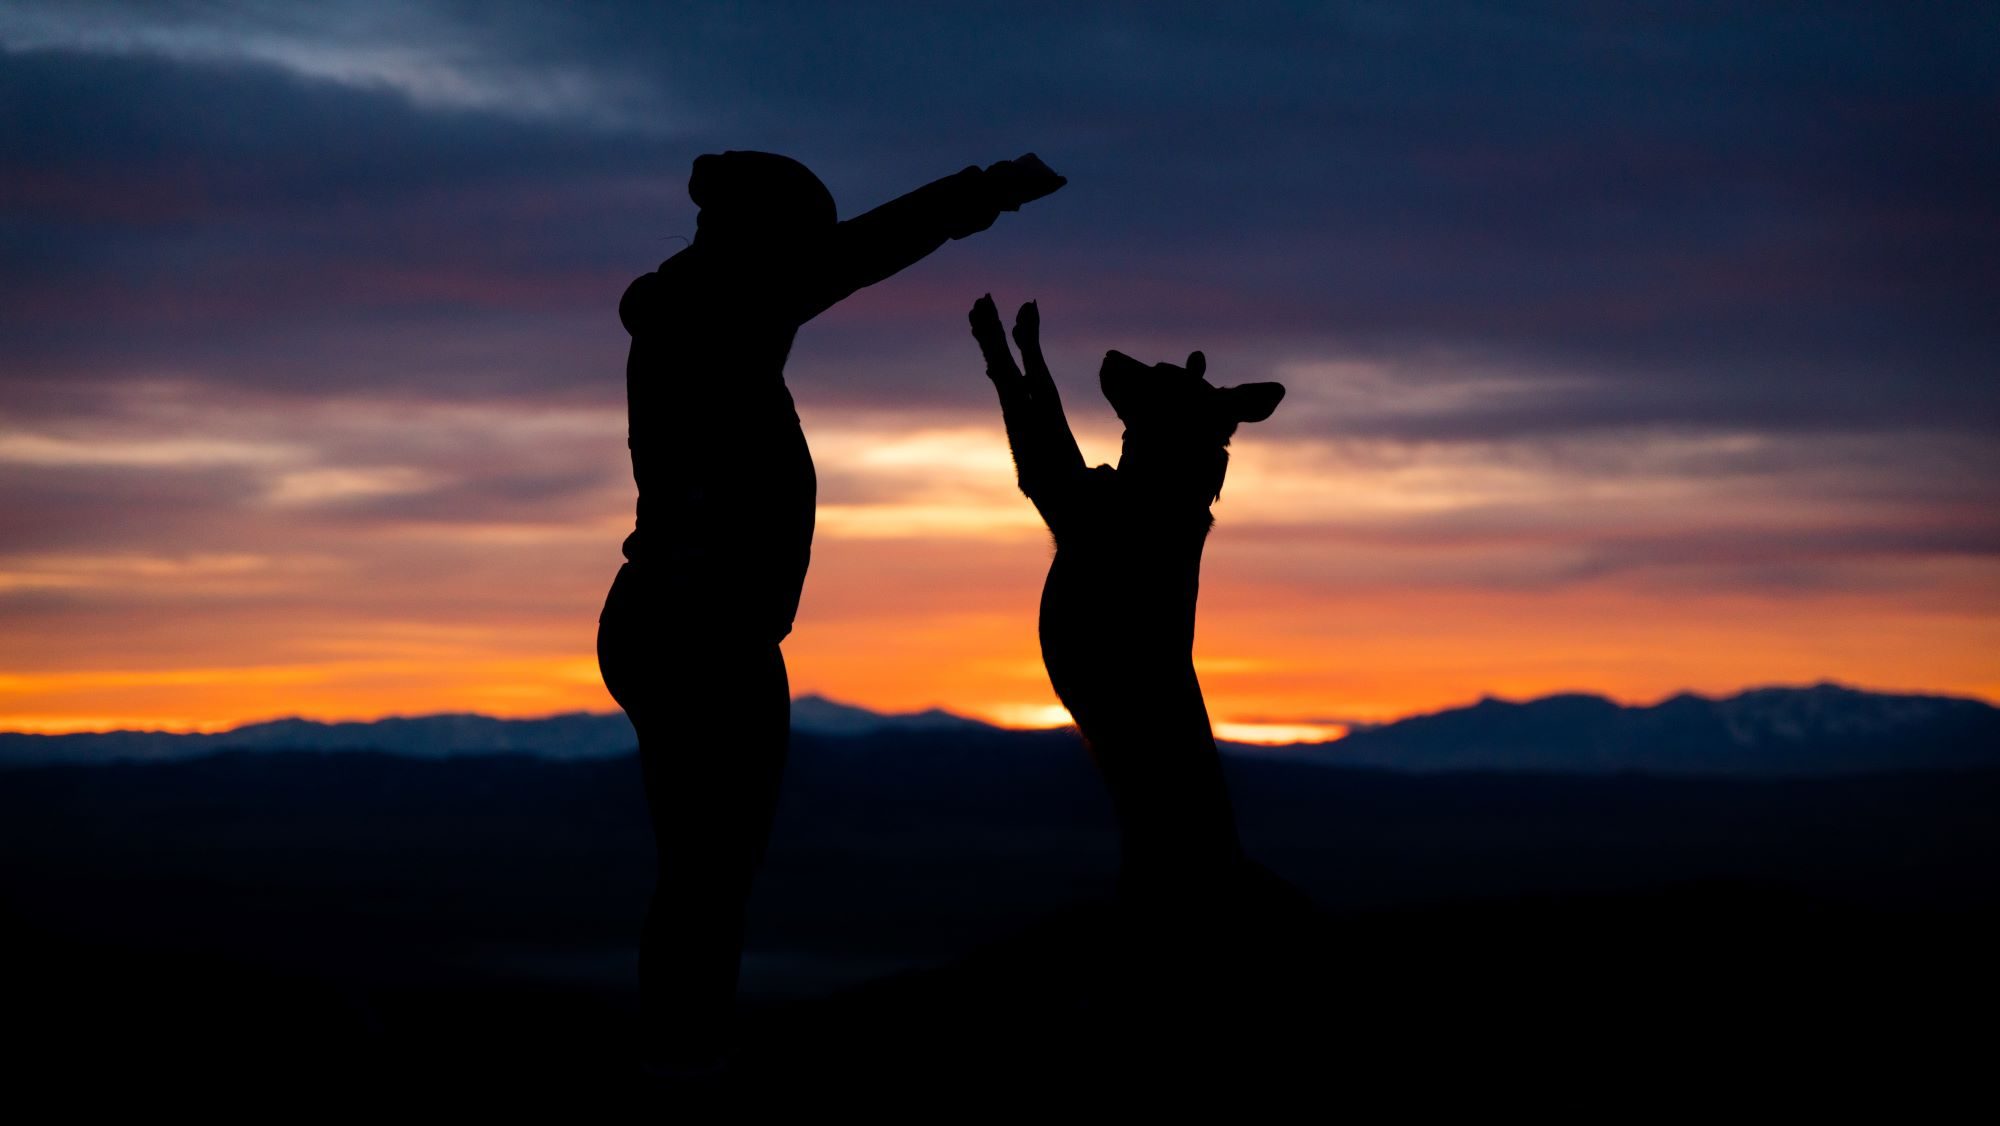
{"x": 1118, "y": 608}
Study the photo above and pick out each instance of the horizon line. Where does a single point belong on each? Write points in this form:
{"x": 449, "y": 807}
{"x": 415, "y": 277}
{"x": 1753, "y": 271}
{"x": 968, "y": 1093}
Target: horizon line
{"x": 94, "y": 725}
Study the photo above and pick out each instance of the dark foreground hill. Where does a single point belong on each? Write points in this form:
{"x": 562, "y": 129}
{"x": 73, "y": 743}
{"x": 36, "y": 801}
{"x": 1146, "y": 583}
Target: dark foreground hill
{"x": 937, "y": 915}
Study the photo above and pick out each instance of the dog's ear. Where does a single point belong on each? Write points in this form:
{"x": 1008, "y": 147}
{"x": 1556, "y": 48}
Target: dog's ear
{"x": 1252, "y": 402}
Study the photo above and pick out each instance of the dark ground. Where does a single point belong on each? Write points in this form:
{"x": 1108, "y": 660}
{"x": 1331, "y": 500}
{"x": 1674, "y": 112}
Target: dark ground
{"x": 266, "y": 933}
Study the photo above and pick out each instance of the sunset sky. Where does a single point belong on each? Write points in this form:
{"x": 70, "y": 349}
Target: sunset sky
{"x": 1631, "y": 350}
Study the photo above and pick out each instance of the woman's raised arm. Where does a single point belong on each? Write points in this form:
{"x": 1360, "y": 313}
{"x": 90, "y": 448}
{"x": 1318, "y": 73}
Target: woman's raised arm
{"x": 876, "y": 245}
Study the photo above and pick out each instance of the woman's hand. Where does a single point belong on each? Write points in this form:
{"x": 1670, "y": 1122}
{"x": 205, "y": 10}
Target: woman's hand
{"x": 1021, "y": 180}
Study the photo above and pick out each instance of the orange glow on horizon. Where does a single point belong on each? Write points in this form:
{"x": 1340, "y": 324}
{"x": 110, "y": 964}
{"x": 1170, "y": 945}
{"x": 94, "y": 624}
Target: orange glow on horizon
{"x": 1319, "y": 669}
{"x": 1340, "y": 587}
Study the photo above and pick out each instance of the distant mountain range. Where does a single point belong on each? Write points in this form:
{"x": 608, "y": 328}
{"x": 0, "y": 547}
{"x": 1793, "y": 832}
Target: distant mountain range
{"x": 572, "y": 735}
{"x": 1821, "y": 729}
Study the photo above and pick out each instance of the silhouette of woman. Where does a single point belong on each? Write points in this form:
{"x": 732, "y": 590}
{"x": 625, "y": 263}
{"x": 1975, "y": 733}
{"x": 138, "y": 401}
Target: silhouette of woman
{"x": 688, "y": 639}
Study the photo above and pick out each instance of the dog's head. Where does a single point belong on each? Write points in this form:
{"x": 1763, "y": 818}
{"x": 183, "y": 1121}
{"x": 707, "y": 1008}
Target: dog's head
{"x": 1178, "y": 424}
{"x": 1169, "y": 401}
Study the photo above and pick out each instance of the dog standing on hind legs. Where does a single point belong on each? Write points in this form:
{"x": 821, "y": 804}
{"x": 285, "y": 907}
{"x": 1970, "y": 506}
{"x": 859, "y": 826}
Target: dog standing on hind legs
{"x": 1118, "y": 608}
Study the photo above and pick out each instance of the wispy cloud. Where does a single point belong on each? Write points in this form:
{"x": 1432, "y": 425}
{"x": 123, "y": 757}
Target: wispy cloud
{"x": 423, "y": 52}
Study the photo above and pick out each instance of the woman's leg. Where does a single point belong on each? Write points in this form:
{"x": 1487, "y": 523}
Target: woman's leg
{"x": 713, "y": 719}
{"x": 712, "y": 768}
